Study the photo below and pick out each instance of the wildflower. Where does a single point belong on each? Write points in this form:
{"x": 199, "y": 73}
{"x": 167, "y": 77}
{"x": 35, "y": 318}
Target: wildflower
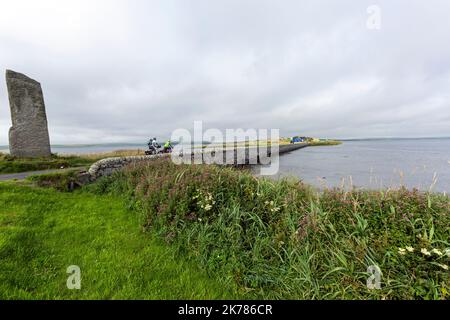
{"x": 443, "y": 266}
{"x": 401, "y": 251}
{"x": 437, "y": 252}
{"x": 208, "y": 207}
{"x": 447, "y": 252}
{"x": 410, "y": 249}
{"x": 425, "y": 252}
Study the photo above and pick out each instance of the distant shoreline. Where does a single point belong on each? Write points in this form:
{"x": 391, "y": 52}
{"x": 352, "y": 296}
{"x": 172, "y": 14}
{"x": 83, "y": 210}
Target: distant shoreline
{"x": 112, "y": 144}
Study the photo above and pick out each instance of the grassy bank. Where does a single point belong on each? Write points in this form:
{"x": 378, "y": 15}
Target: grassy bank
{"x": 286, "y": 240}
{"x": 324, "y": 143}
{"x": 43, "y": 231}
{"x": 9, "y": 164}
{"x": 60, "y": 180}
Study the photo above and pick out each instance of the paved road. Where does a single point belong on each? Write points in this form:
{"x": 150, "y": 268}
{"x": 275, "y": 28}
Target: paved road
{"x": 24, "y": 175}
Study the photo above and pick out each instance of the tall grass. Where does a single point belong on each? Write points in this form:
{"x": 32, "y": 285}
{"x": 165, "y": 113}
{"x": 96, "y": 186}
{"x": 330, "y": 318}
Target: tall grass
{"x": 286, "y": 240}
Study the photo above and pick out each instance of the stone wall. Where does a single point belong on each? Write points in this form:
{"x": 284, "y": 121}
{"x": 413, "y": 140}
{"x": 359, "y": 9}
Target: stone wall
{"x": 107, "y": 166}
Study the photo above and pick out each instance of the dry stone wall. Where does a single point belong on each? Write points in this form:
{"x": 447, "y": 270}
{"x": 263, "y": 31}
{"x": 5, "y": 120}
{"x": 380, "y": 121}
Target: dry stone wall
{"x": 107, "y": 166}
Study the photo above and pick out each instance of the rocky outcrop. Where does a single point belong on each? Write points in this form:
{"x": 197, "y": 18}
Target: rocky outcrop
{"x": 28, "y": 136}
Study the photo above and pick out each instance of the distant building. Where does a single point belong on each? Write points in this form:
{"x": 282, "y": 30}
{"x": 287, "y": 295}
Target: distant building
{"x": 298, "y": 139}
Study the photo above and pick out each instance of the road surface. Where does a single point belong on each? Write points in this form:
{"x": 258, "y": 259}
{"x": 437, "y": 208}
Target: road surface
{"x": 24, "y": 175}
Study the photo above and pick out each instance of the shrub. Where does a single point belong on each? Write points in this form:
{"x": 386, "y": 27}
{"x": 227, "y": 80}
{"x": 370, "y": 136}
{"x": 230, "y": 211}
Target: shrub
{"x": 61, "y": 181}
{"x": 286, "y": 240}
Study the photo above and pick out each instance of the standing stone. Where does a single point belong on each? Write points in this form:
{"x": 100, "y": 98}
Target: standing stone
{"x": 28, "y": 136}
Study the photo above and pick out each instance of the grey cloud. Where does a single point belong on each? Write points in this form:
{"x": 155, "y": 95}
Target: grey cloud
{"x": 124, "y": 70}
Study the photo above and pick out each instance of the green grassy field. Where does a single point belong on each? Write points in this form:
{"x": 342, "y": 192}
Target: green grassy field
{"x": 43, "y": 231}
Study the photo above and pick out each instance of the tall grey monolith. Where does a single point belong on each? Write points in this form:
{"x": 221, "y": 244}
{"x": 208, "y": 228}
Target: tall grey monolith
{"x": 28, "y": 136}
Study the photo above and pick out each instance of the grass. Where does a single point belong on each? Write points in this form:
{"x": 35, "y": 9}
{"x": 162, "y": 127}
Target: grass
{"x": 324, "y": 143}
{"x": 43, "y": 231}
{"x": 230, "y": 235}
{"x": 60, "y": 181}
{"x": 313, "y": 142}
{"x": 9, "y": 164}
{"x": 285, "y": 240}
{"x": 117, "y": 153}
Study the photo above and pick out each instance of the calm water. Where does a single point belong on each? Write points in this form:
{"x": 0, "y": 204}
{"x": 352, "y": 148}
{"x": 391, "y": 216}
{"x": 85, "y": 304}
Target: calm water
{"x": 373, "y": 164}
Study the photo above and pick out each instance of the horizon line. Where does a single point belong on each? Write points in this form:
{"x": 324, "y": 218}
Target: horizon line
{"x": 144, "y": 144}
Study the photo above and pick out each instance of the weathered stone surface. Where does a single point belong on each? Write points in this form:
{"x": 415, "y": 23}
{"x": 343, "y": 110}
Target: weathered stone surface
{"x": 108, "y": 166}
{"x": 28, "y": 136}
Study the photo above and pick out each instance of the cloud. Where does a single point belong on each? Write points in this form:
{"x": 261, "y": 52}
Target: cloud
{"x": 115, "y": 71}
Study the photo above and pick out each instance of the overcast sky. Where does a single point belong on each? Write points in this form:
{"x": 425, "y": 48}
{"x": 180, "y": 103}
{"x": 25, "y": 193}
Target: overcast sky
{"x": 121, "y": 71}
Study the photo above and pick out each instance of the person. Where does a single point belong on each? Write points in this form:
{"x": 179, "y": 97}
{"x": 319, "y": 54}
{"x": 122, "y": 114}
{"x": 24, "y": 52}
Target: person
{"x": 167, "y": 146}
{"x": 153, "y": 145}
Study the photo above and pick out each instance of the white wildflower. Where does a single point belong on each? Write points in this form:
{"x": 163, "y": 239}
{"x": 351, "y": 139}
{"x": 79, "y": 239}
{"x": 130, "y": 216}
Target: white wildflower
{"x": 410, "y": 249}
{"x": 447, "y": 252}
{"x": 401, "y": 251}
{"x": 443, "y": 266}
{"x": 437, "y": 252}
{"x": 425, "y": 252}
